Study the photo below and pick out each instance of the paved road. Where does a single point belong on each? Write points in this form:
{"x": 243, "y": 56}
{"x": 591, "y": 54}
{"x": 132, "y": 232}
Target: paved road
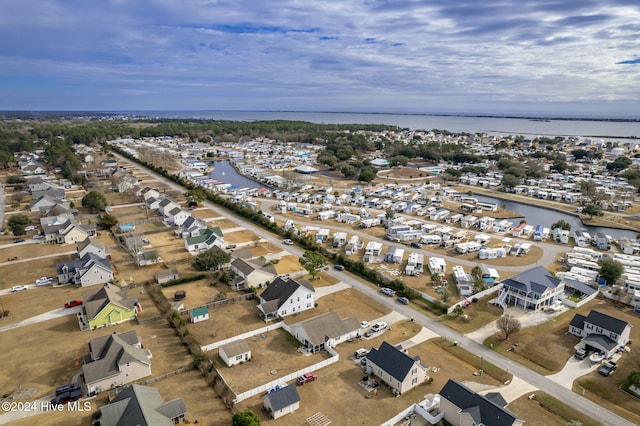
{"x": 543, "y": 383}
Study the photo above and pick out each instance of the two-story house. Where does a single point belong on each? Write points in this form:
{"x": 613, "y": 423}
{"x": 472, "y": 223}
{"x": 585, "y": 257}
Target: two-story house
{"x": 532, "y": 289}
{"x": 286, "y": 297}
{"x": 89, "y": 270}
{"x": 600, "y": 332}
{"x": 396, "y": 368}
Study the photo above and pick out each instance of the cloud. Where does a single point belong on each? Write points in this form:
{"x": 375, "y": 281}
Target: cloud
{"x": 363, "y": 54}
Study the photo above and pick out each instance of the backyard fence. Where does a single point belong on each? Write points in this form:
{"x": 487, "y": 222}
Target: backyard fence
{"x": 478, "y": 295}
{"x": 246, "y": 335}
{"x": 218, "y": 303}
{"x": 169, "y": 374}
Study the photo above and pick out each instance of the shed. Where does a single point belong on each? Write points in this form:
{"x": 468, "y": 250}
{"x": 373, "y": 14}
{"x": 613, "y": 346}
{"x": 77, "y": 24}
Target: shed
{"x": 199, "y": 314}
{"x": 282, "y": 401}
{"x": 235, "y": 352}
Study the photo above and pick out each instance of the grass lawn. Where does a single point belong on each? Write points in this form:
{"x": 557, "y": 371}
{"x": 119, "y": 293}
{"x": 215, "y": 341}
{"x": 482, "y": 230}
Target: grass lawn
{"x": 477, "y": 316}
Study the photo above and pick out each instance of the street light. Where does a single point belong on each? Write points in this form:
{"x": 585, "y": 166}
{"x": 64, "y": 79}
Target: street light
{"x": 481, "y": 371}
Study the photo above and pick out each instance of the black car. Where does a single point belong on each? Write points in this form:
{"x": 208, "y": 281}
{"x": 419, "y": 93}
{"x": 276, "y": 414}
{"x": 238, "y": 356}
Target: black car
{"x": 18, "y": 240}
{"x": 67, "y": 388}
{"x": 416, "y": 245}
{"x": 608, "y": 368}
{"x": 65, "y": 397}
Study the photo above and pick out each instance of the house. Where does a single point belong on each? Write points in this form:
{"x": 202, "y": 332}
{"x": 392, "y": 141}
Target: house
{"x": 115, "y": 360}
{"x": 89, "y": 270}
{"x": 415, "y": 264}
{"x": 235, "y": 352}
{"x": 105, "y": 306}
{"x": 53, "y": 192}
{"x": 395, "y": 368}
{"x": 191, "y": 227}
{"x": 248, "y": 275}
{"x": 143, "y": 406}
{"x": 164, "y": 275}
{"x": 534, "y": 289}
{"x": 460, "y": 406}
{"x": 286, "y": 297}
{"x": 437, "y": 265}
{"x": 176, "y": 216}
{"x": 600, "y": 332}
{"x": 199, "y": 314}
{"x": 326, "y": 330}
{"x": 372, "y": 252}
{"x": 208, "y": 238}
{"x": 64, "y": 230}
{"x": 41, "y": 203}
{"x": 91, "y": 246}
{"x": 394, "y": 254}
{"x": 166, "y": 205}
{"x": 281, "y": 401}
{"x": 147, "y": 192}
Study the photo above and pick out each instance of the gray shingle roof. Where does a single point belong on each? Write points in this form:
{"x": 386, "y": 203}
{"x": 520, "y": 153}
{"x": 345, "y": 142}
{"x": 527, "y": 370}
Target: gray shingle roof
{"x": 535, "y": 280}
{"x": 236, "y": 347}
{"x": 483, "y": 410}
{"x": 607, "y": 322}
{"x": 141, "y": 405}
{"x": 96, "y": 299}
{"x": 110, "y": 351}
{"x": 283, "y": 397}
{"x": 328, "y": 325}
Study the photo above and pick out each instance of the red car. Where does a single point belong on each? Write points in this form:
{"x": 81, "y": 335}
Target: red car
{"x": 308, "y": 377}
{"x": 72, "y": 303}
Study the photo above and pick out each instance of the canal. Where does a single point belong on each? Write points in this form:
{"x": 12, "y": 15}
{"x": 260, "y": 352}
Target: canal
{"x": 225, "y": 172}
{"x": 535, "y": 215}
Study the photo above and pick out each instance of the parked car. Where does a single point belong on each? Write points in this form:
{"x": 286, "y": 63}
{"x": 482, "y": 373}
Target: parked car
{"x": 379, "y": 326}
{"x": 416, "y": 245}
{"x": 305, "y": 378}
{"x": 362, "y": 352}
{"x": 608, "y": 368}
{"x": 18, "y": 288}
{"x": 288, "y": 242}
{"x": 387, "y": 291}
{"x": 18, "y": 240}
{"x": 65, "y": 397}
{"x": 38, "y": 237}
{"x": 339, "y": 267}
{"x": 403, "y": 300}
{"x": 31, "y": 228}
{"x": 44, "y": 281}
{"x": 67, "y": 388}
{"x": 231, "y": 246}
{"x": 72, "y": 303}
{"x": 580, "y": 353}
{"x": 364, "y": 324}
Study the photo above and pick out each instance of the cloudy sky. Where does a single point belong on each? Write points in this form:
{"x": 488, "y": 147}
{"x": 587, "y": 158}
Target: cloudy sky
{"x": 470, "y": 56}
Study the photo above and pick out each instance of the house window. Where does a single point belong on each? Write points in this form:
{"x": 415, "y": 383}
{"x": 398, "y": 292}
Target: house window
{"x": 414, "y": 381}
{"x": 414, "y": 371}
{"x": 308, "y": 296}
{"x": 308, "y": 305}
{"x": 239, "y": 358}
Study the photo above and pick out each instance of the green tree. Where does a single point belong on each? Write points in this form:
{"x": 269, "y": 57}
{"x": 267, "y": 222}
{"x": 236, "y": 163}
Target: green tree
{"x": 107, "y": 220}
{"x": 611, "y": 270}
{"x": 17, "y": 224}
{"x": 510, "y": 181}
{"x": 313, "y": 262}
{"x": 211, "y": 259}
{"x": 562, "y": 224}
{"x": 592, "y": 210}
{"x": 194, "y": 196}
{"x": 245, "y": 418}
{"x": 367, "y": 175}
{"x": 390, "y": 214}
{"x": 94, "y": 201}
{"x": 476, "y": 271}
{"x": 633, "y": 379}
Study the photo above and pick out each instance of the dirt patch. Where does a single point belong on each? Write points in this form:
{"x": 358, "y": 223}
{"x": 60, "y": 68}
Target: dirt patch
{"x": 288, "y": 265}
{"x": 405, "y": 173}
{"x": 200, "y": 292}
{"x": 227, "y": 321}
{"x": 240, "y": 237}
{"x": 540, "y": 412}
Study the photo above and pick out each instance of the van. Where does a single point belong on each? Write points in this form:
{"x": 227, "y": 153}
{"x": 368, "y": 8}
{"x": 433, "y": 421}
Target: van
{"x": 360, "y": 353}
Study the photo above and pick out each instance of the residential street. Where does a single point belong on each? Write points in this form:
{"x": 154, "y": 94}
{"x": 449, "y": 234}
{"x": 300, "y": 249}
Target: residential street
{"x": 543, "y": 383}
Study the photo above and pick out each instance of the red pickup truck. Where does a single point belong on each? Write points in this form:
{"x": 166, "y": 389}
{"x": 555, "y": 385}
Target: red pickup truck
{"x": 308, "y": 377}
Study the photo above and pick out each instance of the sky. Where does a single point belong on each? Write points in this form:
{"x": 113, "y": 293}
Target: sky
{"x": 557, "y": 57}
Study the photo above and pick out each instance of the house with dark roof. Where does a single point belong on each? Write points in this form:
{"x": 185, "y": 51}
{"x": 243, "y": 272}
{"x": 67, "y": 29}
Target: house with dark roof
{"x": 286, "y": 297}
{"x": 176, "y": 216}
{"x": 460, "y": 406}
{"x": 191, "y": 227}
{"x": 600, "y": 332}
{"x": 326, "y": 330}
{"x": 235, "y": 352}
{"x": 208, "y": 238}
{"x": 105, "y": 306}
{"x": 248, "y": 275}
{"x": 533, "y": 289}
{"x": 89, "y": 270}
{"x": 396, "y": 368}
{"x": 115, "y": 360}
{"x": 281, "y": 401}
{"x": 142, "y": 406}
{"x": 65, "y": 230}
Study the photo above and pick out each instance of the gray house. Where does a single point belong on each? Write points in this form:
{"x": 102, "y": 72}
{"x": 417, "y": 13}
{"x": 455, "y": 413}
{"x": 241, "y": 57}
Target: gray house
{"x": 143, "y": 406}
{"x": 600, "y": 332}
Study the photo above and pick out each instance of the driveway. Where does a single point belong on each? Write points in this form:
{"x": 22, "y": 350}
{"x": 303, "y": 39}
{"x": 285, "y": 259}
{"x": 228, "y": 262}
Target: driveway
{"x": 56, "y": 313}
{"x": 323, "y": 291}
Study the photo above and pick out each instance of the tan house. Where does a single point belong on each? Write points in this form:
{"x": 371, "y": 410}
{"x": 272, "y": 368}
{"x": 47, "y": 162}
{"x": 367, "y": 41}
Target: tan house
{"x": 115, "y": 360}
{"x": 235, "y": 352}
{"x": 248, "y": 275}
{"x": 396, "y": 368}
{"x": 326, "y": 330}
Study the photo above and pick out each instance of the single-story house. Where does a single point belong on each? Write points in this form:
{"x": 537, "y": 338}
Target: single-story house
{"x": 248, "y": 275}
{"x": 235, "y": 352}
{"x": 281, "y": 401}
{"x": 396, "y": 368}
{"x": 143, "y": 406}
{"x": 164, "y": 275}
{"x": 114, "y": 360}
{"x": 326, "y": 330}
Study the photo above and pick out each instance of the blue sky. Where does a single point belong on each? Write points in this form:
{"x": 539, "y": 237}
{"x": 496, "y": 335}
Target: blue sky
{"x": 492, "y": 56}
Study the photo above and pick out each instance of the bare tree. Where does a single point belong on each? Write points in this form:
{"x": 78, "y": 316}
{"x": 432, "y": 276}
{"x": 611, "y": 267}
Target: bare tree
{"x": 508, "y": 325}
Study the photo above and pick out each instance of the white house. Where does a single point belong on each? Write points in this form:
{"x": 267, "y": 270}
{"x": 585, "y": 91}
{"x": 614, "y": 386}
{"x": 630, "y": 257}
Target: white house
{"x": 533, "y": 289}
{"x": 281, "y": 401}
{"x": 415, "y": 264}
{"x": 600, "y": 332}
{"x": 396, "y": 368}
{"x": 437, "y": 265}
{"x": 199, "y": 314}
{"x": 373, "y": 252}
{"x": 326, "y": 330}
{"x": 286, "y": 297}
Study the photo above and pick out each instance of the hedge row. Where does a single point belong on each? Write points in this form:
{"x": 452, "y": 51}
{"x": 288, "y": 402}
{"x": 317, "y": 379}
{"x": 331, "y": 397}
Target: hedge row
{"x": 183, "y": 280}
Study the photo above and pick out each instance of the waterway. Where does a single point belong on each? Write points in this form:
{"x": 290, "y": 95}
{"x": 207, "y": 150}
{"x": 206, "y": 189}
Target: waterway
{"x": 535, "y": 215}
{"x": 225, "y": 172}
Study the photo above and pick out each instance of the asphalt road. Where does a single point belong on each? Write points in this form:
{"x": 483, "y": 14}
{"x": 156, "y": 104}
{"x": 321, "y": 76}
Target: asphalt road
{"x": 585, "y": 406}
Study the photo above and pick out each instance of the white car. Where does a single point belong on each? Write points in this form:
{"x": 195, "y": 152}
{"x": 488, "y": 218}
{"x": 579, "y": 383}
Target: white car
{"x": 379, "y": 326}
{"x": 288, "y": 242}
{"x": 44, "y": 281}
{"x": 18, "y": 288}
{"x": 364, "y": 324}
{"x": 31, "y": 228}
